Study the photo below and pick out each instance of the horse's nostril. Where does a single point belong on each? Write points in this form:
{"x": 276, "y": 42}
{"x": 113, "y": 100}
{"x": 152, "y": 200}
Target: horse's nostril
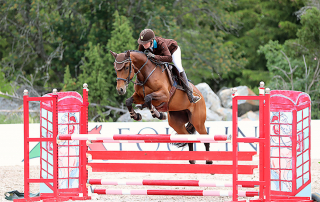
{"x": 121, "y": 89}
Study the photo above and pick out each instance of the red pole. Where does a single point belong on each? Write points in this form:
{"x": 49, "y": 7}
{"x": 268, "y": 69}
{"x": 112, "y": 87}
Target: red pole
{"x": 54, "y": 142}
{"x": 235, "y": 145}
{"x": 83, "y": 146}
{"x": 294, "y": 150}
{"x": 261, "y": 144}
{"x": 26, "y": 143}
{"x": 267, "y": 146}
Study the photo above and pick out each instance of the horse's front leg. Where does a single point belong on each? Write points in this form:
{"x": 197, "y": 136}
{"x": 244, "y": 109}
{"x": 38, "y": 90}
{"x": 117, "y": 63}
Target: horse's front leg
{"x": 159, "y": 95}
{"x": 135, "y": 98}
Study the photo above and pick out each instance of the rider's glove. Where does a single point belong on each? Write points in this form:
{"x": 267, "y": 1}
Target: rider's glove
{"x": 150, "y": 55}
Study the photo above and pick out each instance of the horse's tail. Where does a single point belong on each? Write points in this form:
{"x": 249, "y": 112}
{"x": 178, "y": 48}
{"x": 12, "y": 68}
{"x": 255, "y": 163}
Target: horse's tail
{"x": 191, "y": 130}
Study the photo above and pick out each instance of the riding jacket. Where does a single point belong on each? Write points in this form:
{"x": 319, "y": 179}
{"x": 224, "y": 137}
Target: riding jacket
{"x": 162, "y": 49}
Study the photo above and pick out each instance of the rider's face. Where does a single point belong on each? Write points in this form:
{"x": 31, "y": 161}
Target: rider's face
{"x": 147, "y": 45}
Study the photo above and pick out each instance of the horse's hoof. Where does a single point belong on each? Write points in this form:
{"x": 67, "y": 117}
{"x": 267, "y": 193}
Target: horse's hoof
{"x": 138, "y": 117}
{"x": 208, "y": 162}
{"x": 192, "y": 161}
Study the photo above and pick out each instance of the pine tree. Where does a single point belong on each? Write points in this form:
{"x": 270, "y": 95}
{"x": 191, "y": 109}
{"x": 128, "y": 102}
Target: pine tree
{"x": 69, "y": 83}
{"x": 121, "y": 40}
{"x": 98, "y": 71}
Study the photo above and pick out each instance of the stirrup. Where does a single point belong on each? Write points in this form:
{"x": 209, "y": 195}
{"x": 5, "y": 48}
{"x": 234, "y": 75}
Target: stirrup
{"x": 195, "y": 99}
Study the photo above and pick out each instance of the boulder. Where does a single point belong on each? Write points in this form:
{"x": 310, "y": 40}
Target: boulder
{"x": 212, "y": 100}
{"x": 213, "y": 116}
{"x": 214, "y": 110}
{"x": 250, "y": 116}
{"x": 225, "y": 113}
{"x": 243, "y": 105}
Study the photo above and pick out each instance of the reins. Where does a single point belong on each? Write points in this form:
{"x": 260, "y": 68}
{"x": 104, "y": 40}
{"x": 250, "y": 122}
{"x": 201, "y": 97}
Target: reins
{"x": 128, "y": 80}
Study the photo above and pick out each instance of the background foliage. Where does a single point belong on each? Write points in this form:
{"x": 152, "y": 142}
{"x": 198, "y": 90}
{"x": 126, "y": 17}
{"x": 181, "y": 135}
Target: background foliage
{"x": 63, "y": 44}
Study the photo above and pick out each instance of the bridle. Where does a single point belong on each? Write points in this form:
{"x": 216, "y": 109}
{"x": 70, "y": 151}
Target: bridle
{"x": 128, "y": 80}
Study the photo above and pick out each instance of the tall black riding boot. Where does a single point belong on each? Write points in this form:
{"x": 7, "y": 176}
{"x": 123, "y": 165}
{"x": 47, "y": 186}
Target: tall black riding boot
{"x": 187, "y": 88}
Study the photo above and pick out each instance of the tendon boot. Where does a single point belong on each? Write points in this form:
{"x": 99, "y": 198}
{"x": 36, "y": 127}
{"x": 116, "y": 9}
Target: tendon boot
{"x": 188, "y": 88}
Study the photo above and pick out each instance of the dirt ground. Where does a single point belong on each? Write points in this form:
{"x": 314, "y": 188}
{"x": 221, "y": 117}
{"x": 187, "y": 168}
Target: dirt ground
{"x": 11, "y": 178}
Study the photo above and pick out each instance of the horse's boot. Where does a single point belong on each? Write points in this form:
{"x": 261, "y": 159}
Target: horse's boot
{"x": 188, "y": 88}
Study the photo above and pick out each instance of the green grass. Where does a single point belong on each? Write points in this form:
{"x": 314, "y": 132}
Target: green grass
{"x": 17, "y": 118}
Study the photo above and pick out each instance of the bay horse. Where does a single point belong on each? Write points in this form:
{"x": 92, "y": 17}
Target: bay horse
{"x": 152, "y": 90}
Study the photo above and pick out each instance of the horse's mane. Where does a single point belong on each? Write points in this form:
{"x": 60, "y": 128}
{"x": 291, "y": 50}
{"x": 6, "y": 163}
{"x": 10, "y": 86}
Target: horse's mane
{"x": 135, "y": 51}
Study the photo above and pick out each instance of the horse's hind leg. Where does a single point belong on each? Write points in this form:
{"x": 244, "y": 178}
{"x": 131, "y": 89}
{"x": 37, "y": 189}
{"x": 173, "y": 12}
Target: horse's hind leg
{"x": 177, "y": 120}
{"x": 190, "y": 145}
{"x": 202, "y": 130}
{"x": 207, "y": 145}
{"x": 198, "y": 123}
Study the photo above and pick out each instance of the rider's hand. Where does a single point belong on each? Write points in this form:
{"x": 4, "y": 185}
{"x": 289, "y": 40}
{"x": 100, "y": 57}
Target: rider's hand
{"x": 150, "y": 55}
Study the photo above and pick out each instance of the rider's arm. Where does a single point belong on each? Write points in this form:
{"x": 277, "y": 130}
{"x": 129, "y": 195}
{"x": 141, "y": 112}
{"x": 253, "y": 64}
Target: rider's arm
{"x": 141, "y": 48}
{"x": 165, "y": 53}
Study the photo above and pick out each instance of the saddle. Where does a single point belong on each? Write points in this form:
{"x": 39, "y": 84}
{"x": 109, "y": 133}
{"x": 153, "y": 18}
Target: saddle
{"x": 175, "y": 81}
{"x": 174, "y": 76}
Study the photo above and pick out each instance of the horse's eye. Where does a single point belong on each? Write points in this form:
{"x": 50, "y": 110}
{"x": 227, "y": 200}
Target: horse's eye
{"x": 127, "y": 67}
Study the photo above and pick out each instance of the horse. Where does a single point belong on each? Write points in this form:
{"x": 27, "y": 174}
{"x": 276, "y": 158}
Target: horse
{"x": 152, "y": 90}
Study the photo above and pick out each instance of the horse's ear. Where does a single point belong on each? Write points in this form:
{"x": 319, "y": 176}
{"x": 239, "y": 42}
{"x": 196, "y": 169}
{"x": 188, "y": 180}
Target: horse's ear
{"x": 128, "y": 54}
{"x": 114, "y": 54}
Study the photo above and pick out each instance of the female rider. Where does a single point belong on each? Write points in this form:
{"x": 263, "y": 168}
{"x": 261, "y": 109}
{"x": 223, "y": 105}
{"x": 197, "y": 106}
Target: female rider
{"x": 165, "y": 50}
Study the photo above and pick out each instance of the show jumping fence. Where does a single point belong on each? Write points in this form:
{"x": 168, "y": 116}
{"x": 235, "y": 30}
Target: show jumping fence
{"x": 82, "y": 192}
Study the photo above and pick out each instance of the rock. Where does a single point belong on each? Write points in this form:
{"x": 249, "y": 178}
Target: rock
{"x": 250, "y": 116}
{"x": 243, "y": 105}
{"x": 212, "y": 100}
{"x": 226, "y": 95}
{"x": 213, "y": 116}
{"x": 10, "y": 104}
{"x": 17, "y": 104}
{"x": 246, "y": 107}
{"x": 225, "y": 113}
{"x": 214, "y": 110}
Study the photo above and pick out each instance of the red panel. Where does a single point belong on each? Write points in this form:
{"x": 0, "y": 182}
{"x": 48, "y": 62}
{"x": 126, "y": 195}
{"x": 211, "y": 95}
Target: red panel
{"x": 170, "y": 155}
{"x": 170, "y": 168}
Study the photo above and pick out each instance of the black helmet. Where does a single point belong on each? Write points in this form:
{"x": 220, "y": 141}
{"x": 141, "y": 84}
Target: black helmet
{"x": 146, "y": 36}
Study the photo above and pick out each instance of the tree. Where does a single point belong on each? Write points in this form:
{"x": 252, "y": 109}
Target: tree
{"x": 69, "y": 83}
{"x": 98, "y": 71}
{"x": 285, "y": 70}
{"x": 262, "y": 21}
{"x": 207, "y": 57}
{"x": 28, "y": 28}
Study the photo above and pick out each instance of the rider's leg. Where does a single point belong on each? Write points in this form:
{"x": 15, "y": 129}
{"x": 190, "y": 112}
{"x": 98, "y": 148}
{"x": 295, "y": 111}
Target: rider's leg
{"x": 176, "y": 59}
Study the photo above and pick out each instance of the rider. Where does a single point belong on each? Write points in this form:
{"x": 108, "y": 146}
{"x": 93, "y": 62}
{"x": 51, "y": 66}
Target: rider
{"x": 165, "y": 50}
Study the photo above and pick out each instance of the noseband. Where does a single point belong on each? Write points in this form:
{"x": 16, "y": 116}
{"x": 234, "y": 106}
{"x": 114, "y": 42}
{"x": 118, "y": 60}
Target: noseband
{"x": 128, "y": 80}
{"x": 124, "y": 61}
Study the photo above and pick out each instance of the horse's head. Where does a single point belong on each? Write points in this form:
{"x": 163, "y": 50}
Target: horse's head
{"x": 124, "y": 70}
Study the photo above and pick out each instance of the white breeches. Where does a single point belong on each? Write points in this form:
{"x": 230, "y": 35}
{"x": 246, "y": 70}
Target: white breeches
{"x": 176, "y": 59}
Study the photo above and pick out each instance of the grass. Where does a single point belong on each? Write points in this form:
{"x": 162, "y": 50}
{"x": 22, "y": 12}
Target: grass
{"x": 17, "y": 118}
